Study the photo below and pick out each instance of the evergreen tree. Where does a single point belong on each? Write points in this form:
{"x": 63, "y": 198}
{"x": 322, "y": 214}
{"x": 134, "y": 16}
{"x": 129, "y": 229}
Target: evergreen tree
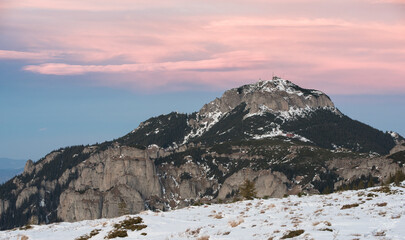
{"x": 248, "y": 190}
{"x": 370, "y": 183}
{"x": 326, "y": 190}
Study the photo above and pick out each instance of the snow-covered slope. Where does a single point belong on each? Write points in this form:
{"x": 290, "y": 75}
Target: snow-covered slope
{"x": 363, "y": 214}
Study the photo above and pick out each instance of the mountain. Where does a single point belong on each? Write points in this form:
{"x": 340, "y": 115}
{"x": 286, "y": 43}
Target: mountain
{"x": 373, "y": 213}
{"x": 283, "y": 138}
{"x": 262, "y": 110}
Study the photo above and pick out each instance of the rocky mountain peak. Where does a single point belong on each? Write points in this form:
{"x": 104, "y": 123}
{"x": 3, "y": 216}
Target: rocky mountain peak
{"x": 277, "y": 96}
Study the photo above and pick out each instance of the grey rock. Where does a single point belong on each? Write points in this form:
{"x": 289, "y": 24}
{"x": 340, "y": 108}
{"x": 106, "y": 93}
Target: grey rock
{"x": 266, "y": 183}
{"x": 29, "y": 167}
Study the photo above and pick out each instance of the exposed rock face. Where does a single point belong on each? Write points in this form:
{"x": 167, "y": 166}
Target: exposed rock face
{"x": 398, "y": 148}
{"x": 275, "y": 95}
{"x": 351, "y": 169}
{"x": 4, "y": 204}
{"x": 120, "y": 174}
{"x": 29, "y": 167}
{"x": 25, "y": 194}
{"x": 266, "y": 183}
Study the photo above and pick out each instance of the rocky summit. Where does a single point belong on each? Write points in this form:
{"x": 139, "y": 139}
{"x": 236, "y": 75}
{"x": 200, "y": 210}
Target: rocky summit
{"x": 283, "y": 138}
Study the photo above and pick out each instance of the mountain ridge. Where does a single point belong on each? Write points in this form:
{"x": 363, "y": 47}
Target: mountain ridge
{"x": 292, "y": 102}
{"x": 284, "y": 138}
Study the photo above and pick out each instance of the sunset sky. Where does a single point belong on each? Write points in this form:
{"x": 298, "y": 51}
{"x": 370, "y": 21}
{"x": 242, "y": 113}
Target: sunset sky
{"x": 80, "y": 72}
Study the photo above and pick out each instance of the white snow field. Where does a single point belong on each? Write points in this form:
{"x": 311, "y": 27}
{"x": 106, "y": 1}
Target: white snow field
{"x": 379, "y": 215}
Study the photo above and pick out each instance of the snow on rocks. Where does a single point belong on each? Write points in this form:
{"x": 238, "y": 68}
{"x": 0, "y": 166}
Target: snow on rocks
{"x": 362, "y": 214}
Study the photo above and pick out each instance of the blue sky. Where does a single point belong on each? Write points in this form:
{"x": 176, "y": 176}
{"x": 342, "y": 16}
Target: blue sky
{"x": 40, "y": 113}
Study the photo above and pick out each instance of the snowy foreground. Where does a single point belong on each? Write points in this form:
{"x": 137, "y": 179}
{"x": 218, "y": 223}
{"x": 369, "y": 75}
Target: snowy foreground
{"x": 378, "y": 215}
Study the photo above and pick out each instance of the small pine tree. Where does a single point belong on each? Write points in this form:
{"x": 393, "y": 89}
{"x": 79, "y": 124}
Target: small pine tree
{"x": 361, "y": 185}
{"x": 248, "y": 190}
{"x": 326, "y": 190}
{"x": 370, "y": 183}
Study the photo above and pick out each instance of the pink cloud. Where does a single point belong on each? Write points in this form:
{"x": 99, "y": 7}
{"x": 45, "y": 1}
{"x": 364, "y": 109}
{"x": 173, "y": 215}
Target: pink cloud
{"x": 216, "y": 45}
{"x": 233, "y": 60}
{"x": 6, "y": 54}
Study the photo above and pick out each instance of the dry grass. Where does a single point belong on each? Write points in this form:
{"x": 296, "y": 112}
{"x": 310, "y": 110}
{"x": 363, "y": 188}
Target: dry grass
{"x": 379, "y": 234}
{"x": 26, "y": 227}
{"x": 293, "y": 233}
{"x": 327, "y": 223}
{"x": 23, "y": 237}
{"x": 347, "y": 206}
{"x": 381, "y": 204}
{"x": 382, "y": 214}
{"x": 235, "y": 223}
{"x": 326, "y": 229}
{"x": 204, "y": 238}
{"x": 117, "y": 233}
{"x": 383, "y": 189}
{"x": 218, "y": 216}
{"x": 194, "y": 232}
{"x": 90, "y": 235}
{"x": 270, "y": 206}
{"x": 318, "y": 212}
{"x": 120, "y": 229}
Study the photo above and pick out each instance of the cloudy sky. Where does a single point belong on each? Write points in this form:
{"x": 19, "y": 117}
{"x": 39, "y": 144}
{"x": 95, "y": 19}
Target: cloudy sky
{"x": 78, "y": 72}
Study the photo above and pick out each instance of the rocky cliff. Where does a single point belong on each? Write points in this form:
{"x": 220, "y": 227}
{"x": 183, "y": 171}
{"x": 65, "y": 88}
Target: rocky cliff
{"x": 284, "y": 138}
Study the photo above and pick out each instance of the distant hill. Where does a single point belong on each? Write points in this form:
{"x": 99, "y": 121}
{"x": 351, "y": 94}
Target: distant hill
{"x": 8, "y": 163}
{"x": 10, "y": 168}
{"x": 6, "y": 174}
